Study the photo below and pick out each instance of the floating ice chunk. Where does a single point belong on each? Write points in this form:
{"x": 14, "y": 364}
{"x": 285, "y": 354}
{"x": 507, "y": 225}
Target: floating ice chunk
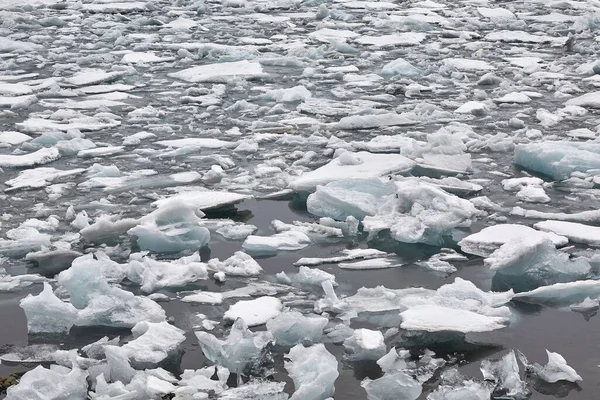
{"x": 378, "y": 263}
{"x": 241, "y": 352}
{"x": 473, "y": 107}
{"x": 93, "y": 76}
{"x": 290, "y": 95}
{"x": 536, "y": 257}
{"x": 348, "y": 255}
{"x": 590, "y": 100}
{"x": 115, "y": 7}
{"x": 365, "y": 344}
{"x": 284, "y": 241}
{"x": 236, "y": 231}
{"x": 562, "y": 293}
{"x": 220, "y": 72}
{"x": 495, "y": 13}
{"x": 152, "y": 343}
{"x": 206, "y": 200}
{"x": 356, "y": 197}
{"x": 143, "y": 58}
{"x": 46, "y": 313}
{"x": 434, "y": 318}
{"x": 398, "y": 39}
{"x": 42, "y": 156}
{"x": 208, "y": 143}
{"x": 436, "y": 264}
{"x": 255, "y": 312}
{"x": 313, "y": 370}
{"x": 578, "y": 233}
{"x": 558, "y": 159}
{"x": 39, "y": 177}
{"x": 374, "y": 121}
{"x": 174, "y": 227}
{"x": 17, "y": 102}
{"x": 400, "y": 68}
{"x": 420, "y": 213}
{"x": 204, "y": 298}
{"x": 239, "y": 264}
{"x": 101, "y": 152}
{"x": 152, "y": 275}
{"x": 327, "y": 35}
{"x": 514, "y": 97}
{"x": 82, "y": 123}
{"x": 104, "y": 228}
{"x": 13, "y": 138}
{"x": 100, "y": 304}
{"x": 486, "y": 241}
{"x": 307, "y": 277}
{"x": 56, "y": 383}
{"x": 463, "y": 64}
{"x": 392, "y": 386}
{"x": 554, "y": 371}
{"x": 505, "y": 372}
{"x": 522, "y": 37}
{"x": 529, "y": 189}
{"x": 456, "y": 387}
{"x": 372, "y": 166}
{"x": 291, "y": 328}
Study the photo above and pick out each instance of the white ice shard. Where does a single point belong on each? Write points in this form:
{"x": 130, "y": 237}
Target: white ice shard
{"x": 420, "y": 213}
{"x": 505, "y": 372}
{"x": 361, "y": 165}
{"x": 456, "y": 387}
{"x": 435, "y": 318}
{"x": 591, "y": 100}
{"x": 260, "y": 390}
{"x": 347, "y": 255}
{"x": 152, "y": 275}
{"x": 488, "y": 240}
{"x": 39, "y": 177}
{"x": 221, "y": 72}
{"x": 536, "y": 256}
{"x": 284, "y": 241}
{"x": 554, "y": 371}
{"x": 56, "y": 383}
{"x": 562, "y": 293}
{"x": 291, "y": 328}
{"x": 365, "y": 344}
{"x": 400, "y": 68}
{"x": 559, "y": 159}
{"x": 529, "y": 189}
{"x": 369, "y": 121}
{"x": 343, "y": 198}
{"x": 206, "y": 200}
{"x": 312, "y": 277}
{"x": 313, "y": 370}
{"x": 152, "y": 343}
{"x": 240, "y": 352}
{"x": 39, "y": 157}
{"x": 255, "y": 312}
{"x": 577, "y": 233}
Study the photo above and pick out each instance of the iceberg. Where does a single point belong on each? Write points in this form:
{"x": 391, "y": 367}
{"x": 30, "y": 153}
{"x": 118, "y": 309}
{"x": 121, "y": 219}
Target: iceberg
{"x": 392, "y": 386}
{"x": 505, "y": 372}
{"x": 221, "y": 72}
{"x": 435, "y": 318}
{"x": 562, "y": 293}
{"x": 152, "y": 275}
{"x": 56, "y": 383}
{"x": 575, "y": 232}
{"x": 152, "y": 343}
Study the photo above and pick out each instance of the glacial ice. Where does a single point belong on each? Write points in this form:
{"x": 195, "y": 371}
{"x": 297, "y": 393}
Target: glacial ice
{"x": 488, "y": 240}
{"x": 555, "y": 370}
{"x": 254, "y": 312}
{"x": 360, "y": 165}
{"x": 561, "y": 294}
{"x": 56, "y": 383}
{"x": 221, "y": 72}
{"x": 152, "y": 275}
{"x": 152, "y": 343}
{"x": 559, "y": 159}
{"x": 505, "y": 373}
{"x": 365, "y": 344}
{"x": 392, "y": 386}
{"x": 578, "y": 233}
{"x": 241, "y": 352}
{"x": 291, "y": 328}
{"x": 313, "y": 370}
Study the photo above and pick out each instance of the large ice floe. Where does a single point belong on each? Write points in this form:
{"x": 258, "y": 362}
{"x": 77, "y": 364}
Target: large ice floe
{"x": 275, "y": 199}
